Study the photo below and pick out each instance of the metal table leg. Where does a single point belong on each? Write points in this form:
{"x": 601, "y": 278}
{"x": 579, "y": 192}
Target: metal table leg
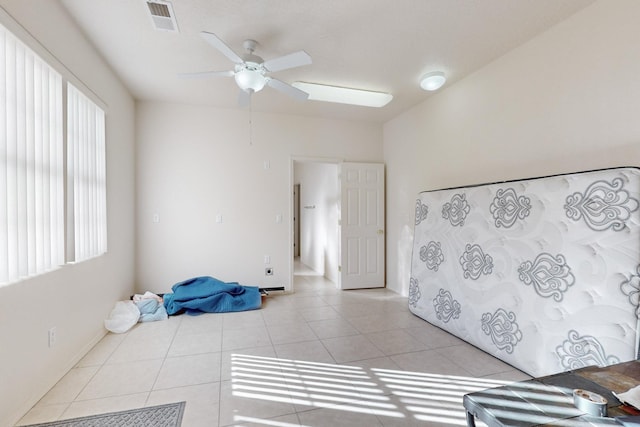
{"x": 471, "y": 422}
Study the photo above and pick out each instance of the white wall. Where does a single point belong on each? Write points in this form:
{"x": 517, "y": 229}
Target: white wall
{"x": 75, "y": 298}
{"x": 194, "y": 163}
{"x": 568, "y": 100}
{"x": 319, "y": 214}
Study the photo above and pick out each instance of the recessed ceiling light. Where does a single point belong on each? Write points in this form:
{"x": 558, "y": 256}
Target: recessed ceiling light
{"x": 433, "y": 81}
{"x": 344, "y": 95}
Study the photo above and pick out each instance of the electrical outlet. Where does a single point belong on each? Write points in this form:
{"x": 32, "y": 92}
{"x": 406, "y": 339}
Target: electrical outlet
{"x": 268, "y": 271}
{"x": 52, "y": 336}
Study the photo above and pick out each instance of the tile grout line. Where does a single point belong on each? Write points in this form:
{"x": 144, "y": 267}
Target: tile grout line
{"x": 104, "y": 362}
{"x": 164, "y": 359}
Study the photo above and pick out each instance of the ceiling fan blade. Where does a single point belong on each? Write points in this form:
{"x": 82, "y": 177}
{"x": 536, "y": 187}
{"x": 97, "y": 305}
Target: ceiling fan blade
{"x": 214, "y": 41}
{"x": 295, "y": 59}
{"x": 205, "y": 74}
{"x": 244, "y": 99}
{"x": 297, "y": 94}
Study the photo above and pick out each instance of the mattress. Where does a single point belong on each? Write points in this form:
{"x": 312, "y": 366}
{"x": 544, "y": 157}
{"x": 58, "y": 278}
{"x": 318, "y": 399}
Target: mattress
{"x": 541, "y": 273}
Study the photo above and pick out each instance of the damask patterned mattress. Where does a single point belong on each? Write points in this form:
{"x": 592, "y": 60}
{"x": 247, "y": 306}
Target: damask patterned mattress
{"x": 542, "y": 273}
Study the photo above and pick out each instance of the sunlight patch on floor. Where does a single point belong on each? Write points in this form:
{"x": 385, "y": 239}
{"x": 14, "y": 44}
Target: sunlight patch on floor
{"x": 380, "y": 392}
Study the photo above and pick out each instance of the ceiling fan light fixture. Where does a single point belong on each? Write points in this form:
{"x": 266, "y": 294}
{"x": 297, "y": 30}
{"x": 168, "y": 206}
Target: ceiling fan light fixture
{"x": 344, "y": 95}
{"x": 433, "y": 81}
{"x": 250, "y": 80}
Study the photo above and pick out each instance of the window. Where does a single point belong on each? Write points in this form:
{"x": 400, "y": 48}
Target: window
{"x": 33, "y": 194}
{"x": 86, "y": 176}
{"x": 31, "y": 161}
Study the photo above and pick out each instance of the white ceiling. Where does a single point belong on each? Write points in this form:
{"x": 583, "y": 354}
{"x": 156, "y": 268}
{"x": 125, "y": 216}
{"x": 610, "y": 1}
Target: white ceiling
{"x": 381, "y": 45}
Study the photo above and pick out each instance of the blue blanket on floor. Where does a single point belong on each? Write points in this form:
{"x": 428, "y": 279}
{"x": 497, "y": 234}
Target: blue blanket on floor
{"x": 208, "y": 295}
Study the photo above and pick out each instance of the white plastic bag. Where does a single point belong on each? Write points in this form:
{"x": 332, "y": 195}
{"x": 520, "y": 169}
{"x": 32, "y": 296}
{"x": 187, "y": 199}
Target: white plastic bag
{"x": 123, "y": 316}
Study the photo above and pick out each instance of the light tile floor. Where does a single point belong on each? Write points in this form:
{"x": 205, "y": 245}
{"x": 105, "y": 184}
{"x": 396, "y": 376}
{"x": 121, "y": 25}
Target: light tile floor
{"x": 316, "y": 357}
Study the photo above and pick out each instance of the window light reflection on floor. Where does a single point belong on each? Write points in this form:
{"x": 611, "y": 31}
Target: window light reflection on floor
{"x": 263, "y": 422}
{"x": 380, "y": 392}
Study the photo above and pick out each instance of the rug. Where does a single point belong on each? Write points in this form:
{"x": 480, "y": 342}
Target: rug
{"x": 169, "y": 415}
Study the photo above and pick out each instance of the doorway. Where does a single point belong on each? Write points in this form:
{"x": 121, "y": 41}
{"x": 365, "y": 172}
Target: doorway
{"x": 339, "y": 226}
{"x": 316, "y": 213}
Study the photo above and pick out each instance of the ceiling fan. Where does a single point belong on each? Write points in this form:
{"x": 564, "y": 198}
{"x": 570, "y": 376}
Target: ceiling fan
{"x": 251, "y": 71}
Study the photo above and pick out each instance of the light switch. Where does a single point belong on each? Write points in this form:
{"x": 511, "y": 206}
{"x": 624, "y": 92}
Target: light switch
{"x": 156, "y": 218}
{"x": 278, "y": 218}
{"x": 219, "y": 218}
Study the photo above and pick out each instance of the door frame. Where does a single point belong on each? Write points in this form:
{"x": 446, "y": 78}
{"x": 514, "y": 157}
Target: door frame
{"x": 292, "y": 163}
{"x": 295, "y": 218}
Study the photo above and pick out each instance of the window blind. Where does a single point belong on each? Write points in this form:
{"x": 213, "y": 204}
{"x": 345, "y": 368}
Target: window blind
{"x": 31, "y": 163}
{"x": 86, "y": 168}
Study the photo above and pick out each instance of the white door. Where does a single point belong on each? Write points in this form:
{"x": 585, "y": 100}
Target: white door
{"x": 362, "y": 225}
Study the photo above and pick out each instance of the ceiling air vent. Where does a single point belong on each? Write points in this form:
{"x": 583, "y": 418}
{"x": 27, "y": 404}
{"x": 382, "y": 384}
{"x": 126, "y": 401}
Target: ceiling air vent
{"x": 162, "y": 15}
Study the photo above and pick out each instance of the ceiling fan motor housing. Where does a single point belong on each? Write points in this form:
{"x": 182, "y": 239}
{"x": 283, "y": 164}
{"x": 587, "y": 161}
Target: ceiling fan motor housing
{"x": 250, "y": 75}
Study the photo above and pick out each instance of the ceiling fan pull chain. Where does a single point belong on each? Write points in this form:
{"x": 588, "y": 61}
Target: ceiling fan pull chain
{"x": 250, "y": 123}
